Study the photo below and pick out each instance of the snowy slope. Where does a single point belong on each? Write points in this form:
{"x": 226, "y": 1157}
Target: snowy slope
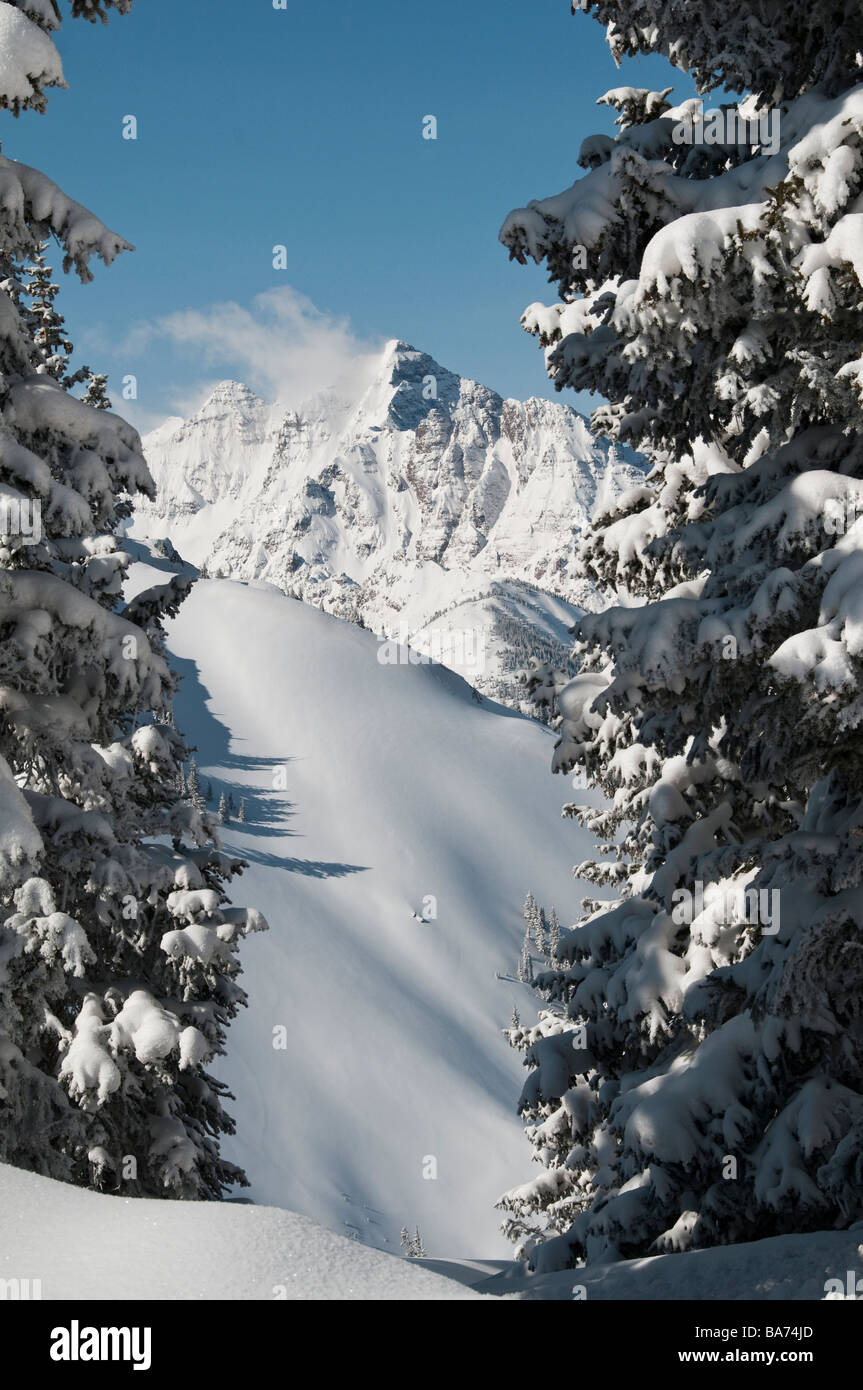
{"x": 427, "y": 492}
{"x": 83, "y": 1245}
{"x": 123, "y": 1248}
{"x": 400, "y": 789}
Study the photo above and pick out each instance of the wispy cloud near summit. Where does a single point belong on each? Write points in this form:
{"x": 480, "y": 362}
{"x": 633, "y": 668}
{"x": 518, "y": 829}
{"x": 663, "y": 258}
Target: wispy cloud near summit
{"x": 282, "y": 346}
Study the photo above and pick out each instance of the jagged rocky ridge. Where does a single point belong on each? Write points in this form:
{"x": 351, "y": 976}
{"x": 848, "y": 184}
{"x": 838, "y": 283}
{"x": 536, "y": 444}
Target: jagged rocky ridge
{"x": 428, "y": 508}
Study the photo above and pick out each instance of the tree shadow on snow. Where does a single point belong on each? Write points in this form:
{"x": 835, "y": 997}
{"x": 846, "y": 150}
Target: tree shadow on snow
{"x": 268, "y": 809}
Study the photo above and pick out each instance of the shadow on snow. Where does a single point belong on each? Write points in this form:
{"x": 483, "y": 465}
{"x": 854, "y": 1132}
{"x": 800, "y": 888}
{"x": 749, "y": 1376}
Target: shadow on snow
{"x": 268, "y": 810}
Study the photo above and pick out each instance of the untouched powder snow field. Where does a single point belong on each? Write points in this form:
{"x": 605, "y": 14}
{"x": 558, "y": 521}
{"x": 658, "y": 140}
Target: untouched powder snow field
{"x": 400, "y": 795}
{"x": 83, "y": 1245}
{"x": 189, "y": 1251}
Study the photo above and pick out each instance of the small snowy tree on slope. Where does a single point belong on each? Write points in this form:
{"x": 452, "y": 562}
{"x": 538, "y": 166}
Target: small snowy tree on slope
{"x": 49, "y": 324}
{"x": 49, "y": 333}
{"x": 117, "y": 954}
{"x": 193, "y": 787}
{"x": 704, "y": 1083}
{"x": 97, "y": 391}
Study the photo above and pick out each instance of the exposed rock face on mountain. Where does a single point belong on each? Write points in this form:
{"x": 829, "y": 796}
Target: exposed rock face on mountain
{"x": 427, "y": 497}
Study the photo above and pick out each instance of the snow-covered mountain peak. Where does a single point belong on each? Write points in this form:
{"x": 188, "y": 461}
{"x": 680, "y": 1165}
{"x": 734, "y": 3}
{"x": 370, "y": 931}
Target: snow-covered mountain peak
{"x": 233, "y": 399}
{"x": 425, "y": 496}
{"x": 230, "y": 392}
{"x": 222, "y": 445}
{"x": 423, "y": 389}
{"x": 406, "y": 386}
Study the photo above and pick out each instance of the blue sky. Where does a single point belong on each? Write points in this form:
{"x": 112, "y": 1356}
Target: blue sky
{"x": 303, "y": 127}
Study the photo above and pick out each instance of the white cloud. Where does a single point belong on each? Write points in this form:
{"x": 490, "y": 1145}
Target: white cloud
{"x": 283, "y": 347}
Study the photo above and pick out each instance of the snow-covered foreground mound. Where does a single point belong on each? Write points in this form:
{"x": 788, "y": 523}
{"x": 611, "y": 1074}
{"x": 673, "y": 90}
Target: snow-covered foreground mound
{"x": 187, "y": 1251}
{"x": 81, "y": 1244}
{"x": 793, "y": 1267}
{"x": 374, "y": 1088}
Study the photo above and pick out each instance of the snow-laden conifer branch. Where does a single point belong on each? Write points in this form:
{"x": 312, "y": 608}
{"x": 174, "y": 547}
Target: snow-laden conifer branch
{"x": 700, "y": 1079}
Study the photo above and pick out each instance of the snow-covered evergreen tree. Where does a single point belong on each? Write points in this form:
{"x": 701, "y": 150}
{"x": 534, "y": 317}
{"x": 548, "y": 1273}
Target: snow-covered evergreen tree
{"x": 532, "y": 927}
{"x": 48, "y": 327}
{"x": 223, "y": 813}
{"x": 97, "y": 391}
{"x": 118, "y": 954}
{"x": 412, "y": 1244}
{"x": 539, "y": 930}
{"x": 49, "y": 324}
{"x": 241, "y": 814}
{"x": 525, "y": 963}
{"x": 193, "y": 788}
{"x": 535, "y": 926}
{"x": 700, "y": 1080}
{"x": 553, "y": 934}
